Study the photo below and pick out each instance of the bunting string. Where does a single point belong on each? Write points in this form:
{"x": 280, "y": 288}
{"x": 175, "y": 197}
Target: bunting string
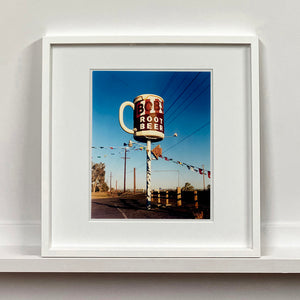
{"x": 201, "y": 171}
{"x": 192, "y": 168}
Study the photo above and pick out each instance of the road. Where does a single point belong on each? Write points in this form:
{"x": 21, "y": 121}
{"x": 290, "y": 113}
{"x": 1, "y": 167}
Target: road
{"x": 128, "y": 208}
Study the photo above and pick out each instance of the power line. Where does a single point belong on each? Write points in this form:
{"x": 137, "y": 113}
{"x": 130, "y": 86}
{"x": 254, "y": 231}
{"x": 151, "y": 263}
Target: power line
{"x": 175, "y": 91}
{"x": 187, "y": 97}
{"x": 187, "y": 86}
{"x": 188, "y": 104}
{"x": 201, "y": 127}
{"x": 121, "y": 80}
{"x": 168, "y": 83}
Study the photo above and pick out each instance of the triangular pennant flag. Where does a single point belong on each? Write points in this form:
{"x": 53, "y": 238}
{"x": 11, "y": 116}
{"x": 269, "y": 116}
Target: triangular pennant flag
{"x": 208, "y": 174}
{"x": 200, "y": 171}
{"x": 157, "y": 151}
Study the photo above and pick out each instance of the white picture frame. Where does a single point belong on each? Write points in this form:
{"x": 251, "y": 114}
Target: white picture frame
{"x": 66, "y": 95}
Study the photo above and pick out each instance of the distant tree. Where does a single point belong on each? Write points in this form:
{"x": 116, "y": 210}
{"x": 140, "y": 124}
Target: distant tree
{"x": 208, "y": 187}
{"x": 98, "y": 177}
{"x": 104, "y": 187}
{"x": 187, "y": 187}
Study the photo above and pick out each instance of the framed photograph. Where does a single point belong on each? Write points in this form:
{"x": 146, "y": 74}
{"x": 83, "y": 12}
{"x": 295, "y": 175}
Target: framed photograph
{"x": 159, "y": 169}
{"x": 150, "y": 147}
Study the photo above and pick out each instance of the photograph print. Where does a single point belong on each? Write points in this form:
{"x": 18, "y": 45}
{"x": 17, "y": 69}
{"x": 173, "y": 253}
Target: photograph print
{"x": 151, "y": 145}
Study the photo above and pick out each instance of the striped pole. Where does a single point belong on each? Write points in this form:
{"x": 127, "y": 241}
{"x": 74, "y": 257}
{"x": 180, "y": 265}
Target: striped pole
{"x": 148, "y": 174}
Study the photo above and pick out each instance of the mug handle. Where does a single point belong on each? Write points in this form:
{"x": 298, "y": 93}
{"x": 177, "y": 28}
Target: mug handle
{"x": 121, "y": 110}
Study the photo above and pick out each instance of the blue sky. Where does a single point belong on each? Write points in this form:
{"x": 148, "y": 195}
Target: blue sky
{"x": 187, "y": 112}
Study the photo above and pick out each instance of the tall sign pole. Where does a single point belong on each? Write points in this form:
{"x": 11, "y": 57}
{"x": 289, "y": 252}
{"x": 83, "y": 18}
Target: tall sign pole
{"x": 148, "y": 174}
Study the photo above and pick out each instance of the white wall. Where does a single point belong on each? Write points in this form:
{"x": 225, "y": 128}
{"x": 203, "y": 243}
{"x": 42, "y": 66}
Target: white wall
{"x": 24, "y": 22}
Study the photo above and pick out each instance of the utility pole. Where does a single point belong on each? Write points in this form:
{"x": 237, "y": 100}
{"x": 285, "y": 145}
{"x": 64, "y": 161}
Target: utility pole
{"x": 125, "y": 159}
{"x": 203, "y": 178}
{"x": 116, "y": 186}
{"x": 134, "y": 181}
{"x": 110, "y": 181}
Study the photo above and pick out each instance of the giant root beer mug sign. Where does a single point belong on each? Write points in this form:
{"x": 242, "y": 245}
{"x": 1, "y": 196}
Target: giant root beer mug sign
{"x": 148, "y": 118}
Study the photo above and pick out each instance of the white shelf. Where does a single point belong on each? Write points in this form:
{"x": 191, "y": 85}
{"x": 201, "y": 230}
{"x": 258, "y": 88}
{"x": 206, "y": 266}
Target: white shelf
{"x": 28, "y": 259}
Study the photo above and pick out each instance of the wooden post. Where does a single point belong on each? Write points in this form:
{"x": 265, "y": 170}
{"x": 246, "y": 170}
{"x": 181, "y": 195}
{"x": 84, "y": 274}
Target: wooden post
{"x": 179, "y": 202}
{"x": 167, "y": 198}
{"x": 196, "y": 199}
{"x": 158, "y": 198}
